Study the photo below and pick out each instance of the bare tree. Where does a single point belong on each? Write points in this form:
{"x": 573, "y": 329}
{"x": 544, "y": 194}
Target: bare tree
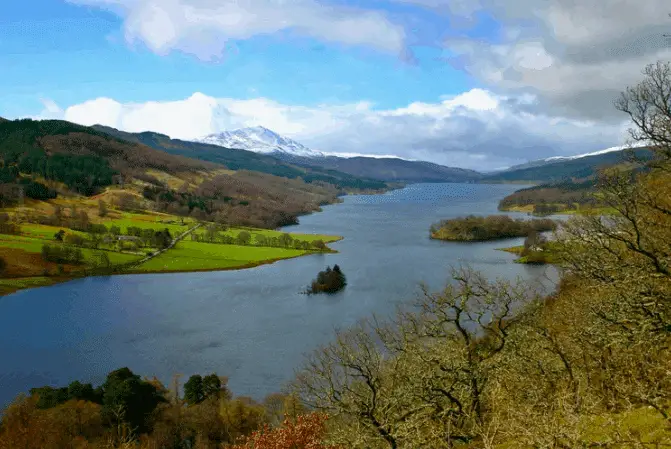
{"x": 424, "y": 379}
{"x": 648, "y": 105}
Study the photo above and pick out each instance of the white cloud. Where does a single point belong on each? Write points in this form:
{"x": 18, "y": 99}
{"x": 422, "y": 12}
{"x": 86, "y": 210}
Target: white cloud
{"x": 575, "y": 55}
{"x": 477, "y": 129}
{"x": 205, "y": 27}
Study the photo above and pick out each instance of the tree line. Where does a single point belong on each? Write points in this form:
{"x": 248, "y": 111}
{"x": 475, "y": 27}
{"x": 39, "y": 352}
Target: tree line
{"x": 127, "y": 411}
{"x": 216, "y": 233}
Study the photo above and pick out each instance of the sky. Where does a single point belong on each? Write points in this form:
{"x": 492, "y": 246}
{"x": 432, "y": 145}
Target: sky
{"x": 480, "y": 84}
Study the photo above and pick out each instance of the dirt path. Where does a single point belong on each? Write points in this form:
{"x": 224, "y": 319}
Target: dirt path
{"x": 174, "y": 242}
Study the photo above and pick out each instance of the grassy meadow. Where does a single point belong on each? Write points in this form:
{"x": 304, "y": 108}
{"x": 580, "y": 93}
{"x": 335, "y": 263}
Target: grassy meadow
{"x": 199, "y": 256}
{"x": 26, "y": 267}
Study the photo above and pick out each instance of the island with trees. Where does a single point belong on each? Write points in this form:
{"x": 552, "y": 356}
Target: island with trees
{"x": 477, "y": 229}
{"x": 328, "y": 281}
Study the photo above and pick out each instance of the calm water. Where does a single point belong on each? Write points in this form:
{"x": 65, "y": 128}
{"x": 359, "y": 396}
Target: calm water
{"x": 251, "y": 325}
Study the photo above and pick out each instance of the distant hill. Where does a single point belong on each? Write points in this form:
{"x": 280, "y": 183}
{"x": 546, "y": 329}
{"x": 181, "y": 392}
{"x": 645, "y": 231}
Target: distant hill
{"x": 571, "y": 183}
{"x": 554, "y": 159}
{"x": 389, "y": 169}
{"x": 237, "y": 159}
{"x": 553, "y": 170}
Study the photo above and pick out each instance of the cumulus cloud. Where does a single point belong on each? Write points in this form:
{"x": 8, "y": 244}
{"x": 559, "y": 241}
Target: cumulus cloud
{"x": 477, "y": 129}
{"x": 556, "y": 65}
{"x": 575, "y": 55}
{"x": 205, "y": 27}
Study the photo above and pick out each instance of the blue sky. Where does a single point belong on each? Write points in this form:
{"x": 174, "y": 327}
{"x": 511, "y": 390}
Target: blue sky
{"x": 348, "y": 76}
{"x": 71, "y": 53}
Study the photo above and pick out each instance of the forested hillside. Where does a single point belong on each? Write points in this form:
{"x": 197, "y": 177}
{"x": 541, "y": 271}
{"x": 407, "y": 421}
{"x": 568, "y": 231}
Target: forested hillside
{"x": 43, "y": 159}
{"x": 554, "y": 197}
{"x": 78, "y": 202}
{"x": 235, "y": 159}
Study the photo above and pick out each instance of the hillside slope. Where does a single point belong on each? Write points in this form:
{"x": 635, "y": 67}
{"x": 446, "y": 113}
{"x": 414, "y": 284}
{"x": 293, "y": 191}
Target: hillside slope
{"x": 43, "y": 160}
{"x": 567, "y": 195}
{"x": 557, "y": 171}
{"x": 236, "y": 159}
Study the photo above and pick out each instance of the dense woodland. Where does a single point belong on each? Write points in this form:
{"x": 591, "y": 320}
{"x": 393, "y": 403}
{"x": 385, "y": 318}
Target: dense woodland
{"x": 479, "y": 364}
{"x": 476, "y": 228}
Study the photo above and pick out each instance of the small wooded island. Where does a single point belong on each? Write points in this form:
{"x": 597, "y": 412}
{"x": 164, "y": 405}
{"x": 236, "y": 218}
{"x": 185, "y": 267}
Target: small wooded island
{"x": 477, "y": 229}
{"x": 328, "y": 281}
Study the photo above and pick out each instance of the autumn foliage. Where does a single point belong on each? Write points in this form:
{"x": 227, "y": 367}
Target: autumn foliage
{"x": 306, "y": 432}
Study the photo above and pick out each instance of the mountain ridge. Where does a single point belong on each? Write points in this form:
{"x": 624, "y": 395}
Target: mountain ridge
{"x": 554, "y": 159}
{"x": 572, "y": 167}
{"x": 386, "y": 169}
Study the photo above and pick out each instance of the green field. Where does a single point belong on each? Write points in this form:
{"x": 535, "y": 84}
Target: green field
{"x": 23, "y": 252}
{"x": 150, "y": 222}
{"x": 29, "y": 244}
{"x": 34, "y": 245}
{"x": 44, "y": 232}
{"x": 191, "y": 256}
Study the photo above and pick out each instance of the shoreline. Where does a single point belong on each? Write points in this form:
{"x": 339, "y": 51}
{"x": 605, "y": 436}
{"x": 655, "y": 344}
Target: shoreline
{"x": 31, "y": 282}
{"x": 50, "y": 281}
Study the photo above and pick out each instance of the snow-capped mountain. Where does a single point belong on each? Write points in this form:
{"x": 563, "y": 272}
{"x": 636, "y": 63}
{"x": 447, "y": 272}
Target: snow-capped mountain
{"x": 259, "y": 140}
{"x": 387, "y": 168}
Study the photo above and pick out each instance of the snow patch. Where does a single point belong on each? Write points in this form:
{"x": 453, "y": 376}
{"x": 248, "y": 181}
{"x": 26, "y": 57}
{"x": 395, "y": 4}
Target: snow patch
{"x": 260, "y": 140}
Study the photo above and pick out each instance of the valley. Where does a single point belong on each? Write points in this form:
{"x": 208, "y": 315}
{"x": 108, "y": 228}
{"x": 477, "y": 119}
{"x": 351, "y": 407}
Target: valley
{"x": 253, "y": 325}
{"x": 80, "y": 201}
